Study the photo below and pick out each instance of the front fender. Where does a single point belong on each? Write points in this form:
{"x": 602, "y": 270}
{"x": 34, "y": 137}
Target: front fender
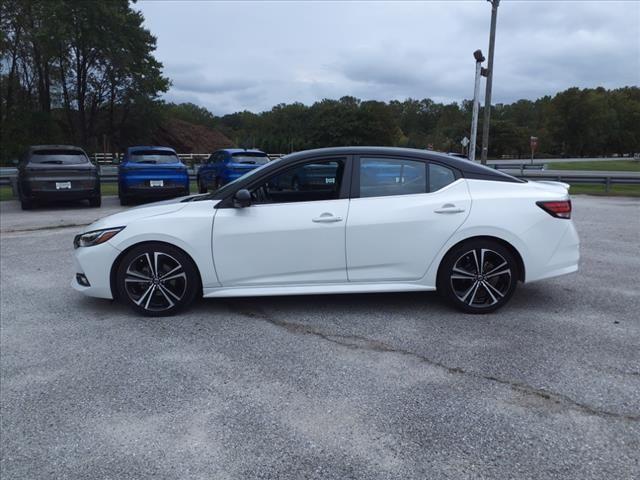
{"x": 190, "y": 231}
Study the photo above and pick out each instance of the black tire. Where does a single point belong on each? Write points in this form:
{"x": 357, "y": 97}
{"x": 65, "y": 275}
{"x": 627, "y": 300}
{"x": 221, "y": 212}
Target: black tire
{"x": 216, "y": 183}
{"x": 124, "y": 200}
{"x": 155, "y": 297}
{"x": 26, "y": 204}
{"x": 201, "y": 187}
{"x": 482, "y": 291}
{"x": 95, "y": 201}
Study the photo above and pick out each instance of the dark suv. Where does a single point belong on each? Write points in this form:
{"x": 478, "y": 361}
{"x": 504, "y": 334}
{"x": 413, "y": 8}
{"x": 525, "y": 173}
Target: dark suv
{"x": 57, "y": 172}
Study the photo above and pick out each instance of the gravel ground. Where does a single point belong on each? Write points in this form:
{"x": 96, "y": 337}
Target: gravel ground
{"x": 391, "y": 386}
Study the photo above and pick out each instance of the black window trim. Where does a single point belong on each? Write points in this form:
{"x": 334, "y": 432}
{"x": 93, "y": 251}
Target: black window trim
{"x": 355, "y": 175}
{"x": 345, "y": 186}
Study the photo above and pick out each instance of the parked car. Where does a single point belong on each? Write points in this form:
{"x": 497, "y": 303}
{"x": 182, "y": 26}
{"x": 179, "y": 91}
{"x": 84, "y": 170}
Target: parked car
{"x": 151, "y": 172}
{"x": 226, "y": 165}
{"x": 438, "y": 223}
{"x": 57, "y": 172}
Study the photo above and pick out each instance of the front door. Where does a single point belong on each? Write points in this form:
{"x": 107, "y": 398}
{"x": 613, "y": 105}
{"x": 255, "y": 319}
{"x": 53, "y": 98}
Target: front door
{"x": 293, "y": 233}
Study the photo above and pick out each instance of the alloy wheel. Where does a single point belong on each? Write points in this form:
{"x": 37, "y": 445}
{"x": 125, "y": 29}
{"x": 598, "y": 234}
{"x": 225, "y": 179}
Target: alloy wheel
{"x": 155, "y": 281}
{"x": 481, "y": 278}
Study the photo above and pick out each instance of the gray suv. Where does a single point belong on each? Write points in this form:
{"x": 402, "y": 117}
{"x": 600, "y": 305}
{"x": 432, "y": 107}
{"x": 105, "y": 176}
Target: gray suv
{"x": 57, "y": 172}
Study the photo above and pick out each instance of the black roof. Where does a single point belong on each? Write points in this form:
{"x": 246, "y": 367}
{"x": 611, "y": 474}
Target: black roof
{"x": 468, "y": 168}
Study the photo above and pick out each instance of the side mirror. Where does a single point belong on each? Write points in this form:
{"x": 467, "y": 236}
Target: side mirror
{"x": 242, "y": 198}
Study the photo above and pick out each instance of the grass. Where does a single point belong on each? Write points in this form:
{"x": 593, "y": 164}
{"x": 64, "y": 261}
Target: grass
{"x": 613, "y": 165}
{"x": 614, "y": 191}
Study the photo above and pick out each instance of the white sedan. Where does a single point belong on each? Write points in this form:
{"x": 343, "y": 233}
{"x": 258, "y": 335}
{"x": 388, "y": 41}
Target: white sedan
{"x": 336, "y": 220}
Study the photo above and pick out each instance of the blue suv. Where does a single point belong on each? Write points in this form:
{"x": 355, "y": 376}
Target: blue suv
{"x": 151, "y": 172}
{"x": 224, "y": 166}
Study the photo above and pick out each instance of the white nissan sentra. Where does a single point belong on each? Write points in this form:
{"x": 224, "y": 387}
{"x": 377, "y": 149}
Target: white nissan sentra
{"x": 336, "y": 220}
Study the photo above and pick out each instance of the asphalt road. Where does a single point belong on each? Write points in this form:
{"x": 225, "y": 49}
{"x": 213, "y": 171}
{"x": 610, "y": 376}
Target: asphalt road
{"x": 393, "y": 386}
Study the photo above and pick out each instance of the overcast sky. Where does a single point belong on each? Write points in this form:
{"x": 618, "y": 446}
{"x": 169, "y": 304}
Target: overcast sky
{"x": 231, "y": 56}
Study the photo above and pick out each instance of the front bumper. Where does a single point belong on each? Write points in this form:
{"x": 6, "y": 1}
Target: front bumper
{"x": 95, "y": 264}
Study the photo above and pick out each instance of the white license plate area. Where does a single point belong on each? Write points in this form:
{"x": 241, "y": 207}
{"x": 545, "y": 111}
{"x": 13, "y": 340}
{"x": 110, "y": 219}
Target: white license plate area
{"x": 156, "y": 183}
{"x": 63, "y": 185}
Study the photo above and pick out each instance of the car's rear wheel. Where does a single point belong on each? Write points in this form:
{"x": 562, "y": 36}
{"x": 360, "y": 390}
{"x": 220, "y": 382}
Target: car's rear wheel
{"x": 125, "y": 200}
{"x": 478, "y": 276}
{"x": 157, "y": 279}
{"x": 95, "y": 201}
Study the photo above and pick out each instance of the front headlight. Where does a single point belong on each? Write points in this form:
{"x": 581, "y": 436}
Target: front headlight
{"x": 96, "y": 237}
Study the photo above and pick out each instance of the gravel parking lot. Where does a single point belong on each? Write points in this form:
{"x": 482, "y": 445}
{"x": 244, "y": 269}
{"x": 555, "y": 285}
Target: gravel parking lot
{"x": 391, "y": 386}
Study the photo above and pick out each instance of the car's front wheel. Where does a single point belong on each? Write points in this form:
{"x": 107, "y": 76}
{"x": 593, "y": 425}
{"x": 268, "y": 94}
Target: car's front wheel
{"x": 478, "y": 276}
{"x": 157, "y": 279}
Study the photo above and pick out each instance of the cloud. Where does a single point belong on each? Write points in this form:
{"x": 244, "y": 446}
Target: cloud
{"x": 252, "y": 55}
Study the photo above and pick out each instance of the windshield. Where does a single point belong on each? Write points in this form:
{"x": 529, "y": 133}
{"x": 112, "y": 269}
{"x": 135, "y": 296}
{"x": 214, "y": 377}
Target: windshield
{"x": 59, "y": 157}
{"x": 251, "y": 158}
{"x": 153, "y": 156}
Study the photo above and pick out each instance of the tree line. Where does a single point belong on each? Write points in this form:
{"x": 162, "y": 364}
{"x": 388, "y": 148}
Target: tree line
{"x": 575, "y": 122}
{"x": 85, "y": 73}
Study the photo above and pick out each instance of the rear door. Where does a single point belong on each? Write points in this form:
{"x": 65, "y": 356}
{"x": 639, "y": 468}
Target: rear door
{"x": 402, "y": 212}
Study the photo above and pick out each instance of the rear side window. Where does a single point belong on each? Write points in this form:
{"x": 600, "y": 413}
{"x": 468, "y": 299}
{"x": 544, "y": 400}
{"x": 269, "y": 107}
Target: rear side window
{"x": 153, "y": 156}
{"x": 440, "y": 177}
{"x": 59, "y": 157}
{"x": 381, "y": 177}
{"x": 251, "y": 158}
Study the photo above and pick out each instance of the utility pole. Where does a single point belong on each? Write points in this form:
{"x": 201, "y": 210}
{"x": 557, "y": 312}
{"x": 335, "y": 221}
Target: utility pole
{"x": 474, "y": 118}
{"x": 487, "y": 97}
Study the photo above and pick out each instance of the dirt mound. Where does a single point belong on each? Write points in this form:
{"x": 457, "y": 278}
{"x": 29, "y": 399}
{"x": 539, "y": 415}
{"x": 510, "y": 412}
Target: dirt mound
{"x": 187, "y": 137}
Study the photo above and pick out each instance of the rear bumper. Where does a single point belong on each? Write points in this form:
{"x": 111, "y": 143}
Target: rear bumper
{"x": 564, "y": 259}
{"x": 155, "y": 192}
{"x": 62, "y": 195}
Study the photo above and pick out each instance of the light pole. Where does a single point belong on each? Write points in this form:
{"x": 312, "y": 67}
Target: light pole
{"x": 474, "y": 118}
{"x": 487, "y": 97}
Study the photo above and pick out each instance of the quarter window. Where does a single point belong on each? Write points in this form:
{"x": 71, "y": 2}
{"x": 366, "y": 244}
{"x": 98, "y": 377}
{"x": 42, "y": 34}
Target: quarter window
{"x": 380, "y": 177}
{"x": 439, "y": 177}
{"x": 302, "y": 183}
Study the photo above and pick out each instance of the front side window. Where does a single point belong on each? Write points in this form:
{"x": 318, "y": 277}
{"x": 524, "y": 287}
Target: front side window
{"x": 381, "y": 177}
{"x": 58, "y": 157}
{"x": 153, "y": 156}
{"x": 320, "y": 180}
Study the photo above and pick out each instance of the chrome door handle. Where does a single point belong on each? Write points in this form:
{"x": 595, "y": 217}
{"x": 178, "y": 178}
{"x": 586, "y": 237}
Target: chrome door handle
{"x": 327, "y": 218}
{"x": 449, "y": 209}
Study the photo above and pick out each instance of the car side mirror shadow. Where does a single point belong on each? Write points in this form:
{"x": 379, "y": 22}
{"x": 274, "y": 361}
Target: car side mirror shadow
{"x": 242, "y": 198}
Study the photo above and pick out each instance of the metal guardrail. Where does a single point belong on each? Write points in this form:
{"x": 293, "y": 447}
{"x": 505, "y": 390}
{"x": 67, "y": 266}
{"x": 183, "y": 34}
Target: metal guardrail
{"x": 577, "y": 177}
{"x": 109, "y": 174}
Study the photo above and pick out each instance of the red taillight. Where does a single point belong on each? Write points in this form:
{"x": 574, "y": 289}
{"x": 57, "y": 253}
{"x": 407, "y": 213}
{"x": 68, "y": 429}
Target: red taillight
{"x": 559, "y": 209}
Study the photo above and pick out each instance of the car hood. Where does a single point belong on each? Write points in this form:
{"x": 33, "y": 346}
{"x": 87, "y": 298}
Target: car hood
{"x": 122, "y": 219}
